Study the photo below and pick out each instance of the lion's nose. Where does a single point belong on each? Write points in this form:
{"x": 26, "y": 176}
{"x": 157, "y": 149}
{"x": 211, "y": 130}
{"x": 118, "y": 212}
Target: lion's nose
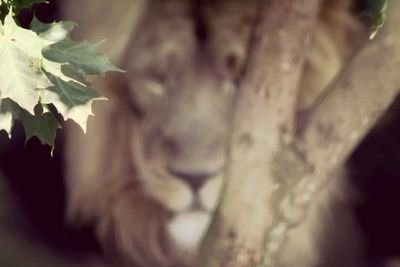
{"x": 194, "y": 180}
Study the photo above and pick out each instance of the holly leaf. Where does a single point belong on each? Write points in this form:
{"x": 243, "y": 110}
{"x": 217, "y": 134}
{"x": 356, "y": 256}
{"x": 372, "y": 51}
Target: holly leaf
{"x": 81, "y": 55}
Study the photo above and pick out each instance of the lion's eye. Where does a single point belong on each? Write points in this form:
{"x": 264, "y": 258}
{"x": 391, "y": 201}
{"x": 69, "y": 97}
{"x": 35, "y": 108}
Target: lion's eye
{"x": 154, "y": 87}
{"x": 146, "y": 94}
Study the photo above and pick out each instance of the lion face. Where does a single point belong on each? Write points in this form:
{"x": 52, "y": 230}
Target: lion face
{"x": 181, "y": 97}
{"x": 179, "y": 146}
{"x": 148, "y": 173}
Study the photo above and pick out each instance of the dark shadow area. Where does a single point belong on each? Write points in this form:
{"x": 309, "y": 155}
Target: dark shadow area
{"x": 375, "y": 170}
{"x": 35, "y": 177}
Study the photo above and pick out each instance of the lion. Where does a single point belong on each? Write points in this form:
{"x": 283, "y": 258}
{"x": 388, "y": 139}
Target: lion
{"x": 148, "y": 174}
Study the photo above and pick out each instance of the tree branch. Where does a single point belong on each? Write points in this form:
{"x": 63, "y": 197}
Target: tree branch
{"x": 342, "y": 117}
{"x": 236, "y": 235}
{"x": 357, "y": 99}
{"x": 335, "y": 126}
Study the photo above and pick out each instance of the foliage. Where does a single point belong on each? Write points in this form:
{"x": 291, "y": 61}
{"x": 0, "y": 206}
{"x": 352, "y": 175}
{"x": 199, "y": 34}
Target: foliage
{"x": 16, "y": 5}
{"x": 43, "y": 78}
{"x": 377, "y": 11}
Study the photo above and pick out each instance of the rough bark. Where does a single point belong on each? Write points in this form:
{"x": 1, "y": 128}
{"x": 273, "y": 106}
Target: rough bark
{"x": 356, "y": 99}
{"x": 268, "y": 88}
{"x": 246, "y": 230}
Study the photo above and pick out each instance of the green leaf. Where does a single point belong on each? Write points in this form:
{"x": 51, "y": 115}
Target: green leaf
{"x": 44, "y": 126}
{"x": 19, "y": 76}
{"x": 377, "y": 11}
{"x": 28, "y": 79}
{"x": 16, "y": 6}
{"x": 82, "y": 55}
{"x": 26, "y": 40}
{"x": 21, "y": 4}
{"x": 1, "y": 28}
{"x": 3, "y": 11}
{"x": 8, "y": 114}
{"x": 52, "y": 31}
{"x": 72, "y": 99}
{"x": 73, "y": 73}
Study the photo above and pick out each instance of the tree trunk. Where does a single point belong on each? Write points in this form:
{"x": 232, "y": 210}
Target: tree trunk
{"x": 268, "y": 89}
{"x": 277, "y": 162}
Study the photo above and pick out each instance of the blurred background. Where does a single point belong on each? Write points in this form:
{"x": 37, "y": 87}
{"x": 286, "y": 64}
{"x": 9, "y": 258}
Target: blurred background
{"x": 32, "y": 197}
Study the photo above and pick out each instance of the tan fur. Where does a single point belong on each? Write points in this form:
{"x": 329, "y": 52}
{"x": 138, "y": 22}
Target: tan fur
{"x": 122, "y": 177}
